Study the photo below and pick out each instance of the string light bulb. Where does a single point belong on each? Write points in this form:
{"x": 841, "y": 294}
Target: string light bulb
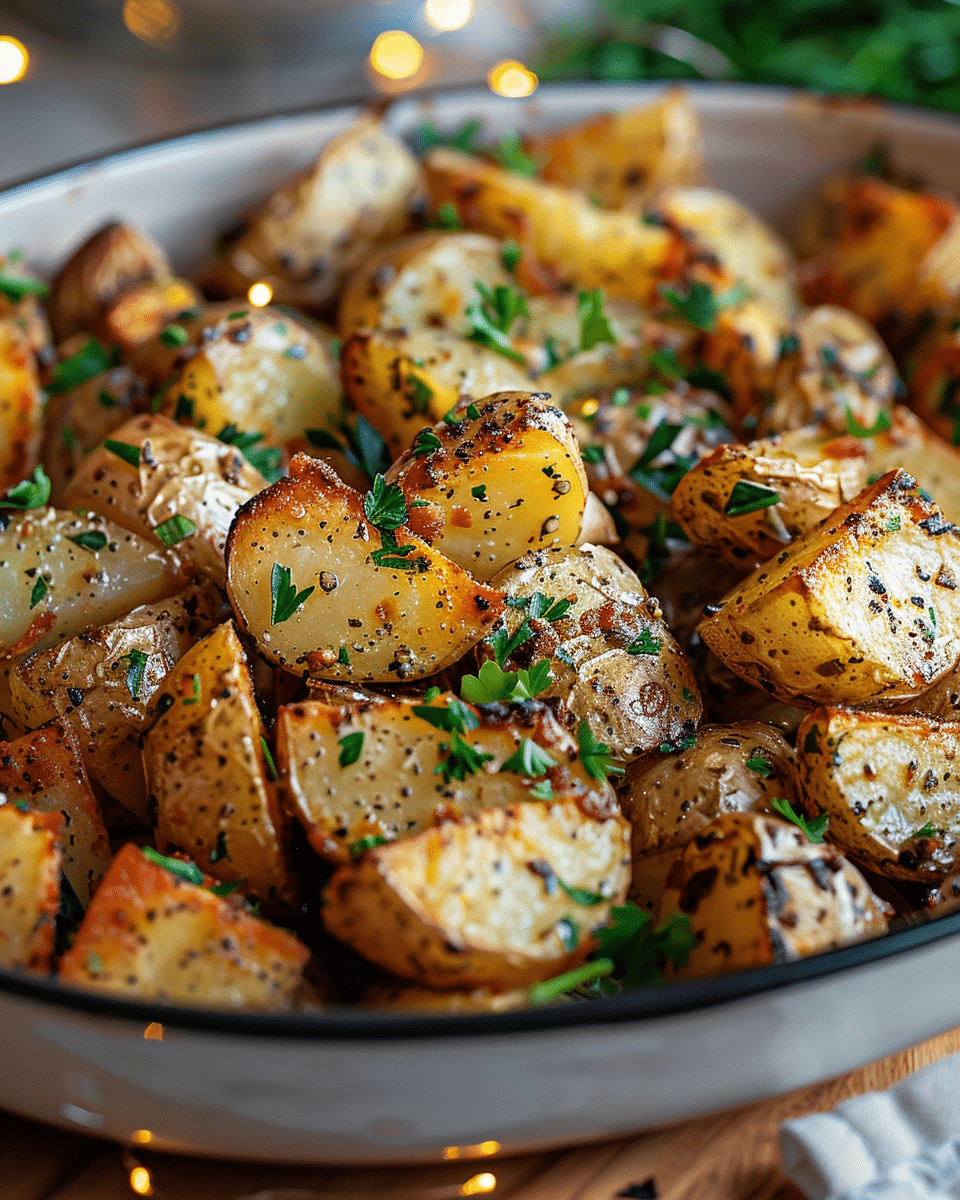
{"x": 479, "y": 1185}
{"x": 260, "y": 294}
{"x": 140, "y": 1181}
{"x": 512, "y": 79}
{"x": 447, "y": 15}
{"x": 14, "y": 60}
{"x": 156, "y": 22}
{"x": 396, "y": 54}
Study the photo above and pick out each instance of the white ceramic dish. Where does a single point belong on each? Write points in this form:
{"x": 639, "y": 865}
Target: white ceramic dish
{"x": 361, "y": 1087}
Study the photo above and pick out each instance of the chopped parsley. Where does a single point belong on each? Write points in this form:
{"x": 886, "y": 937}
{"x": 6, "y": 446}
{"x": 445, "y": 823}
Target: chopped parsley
{"x": 926, "y": 831}
{"x": 455, "y": 717}
{"x": 385, "y": 506}
{"x": 510, "y": 255}
{"x": 446, "y": 217}
{"x": 173, "y": 337}
{"x": 174, "y": 529}
{"x": 700, "y": 307}
{"x": 265, "y": 459}
{"x": 551, "y": 989}
{"x": 184, "y": 409}
{"x": 137, "y": 660}
{"x": 130, "y": 454}
{"x": 219, "y": 850}
{"x": 639, "y": 950}
{"x": 594, "y": 755}
{"x": 351, "y": 747}
{"x": 581, "y": 895}
{"x": 272, "y": 771}
{"x": 91, "y": 359}
{"x": 92, "y": 540}
{"x": 343, "y": 656}
{"x": 285, "y": 599}
{"x": 425, "y": 442}
{"x": 646, "y": 643}
{"x": 855, "y": 429}
{"x": 464, "y": 139}
{"x": 593, "y": 453}
{"x": 28, "y": 493}
{"x": 493, "y": 685}
{"x": 419, "y": 393}
{"x": 529, "y": 759}
{"x": 814, "y": 829}
{"x": 366, "y": 843}
{"x": 462, "y": 759}
{"x": 15, "y": 287}
{"x": 186, "y": 870}
{"x": 539, "y": 605}
{"x": 510, "y": 154}
{"x": 679, "y": 744}
{"x": 760, "y": 765}
{"x": 479, "y": 492}
{"x": 40, "y": 589}
{"x": 748, "y": 497}
{"x": 492, "y": 316}
{"x": 503, "y": 643}
{"x": 594, "y": 324}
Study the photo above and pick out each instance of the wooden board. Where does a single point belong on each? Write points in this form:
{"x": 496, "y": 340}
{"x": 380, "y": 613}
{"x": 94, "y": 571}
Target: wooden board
{"x": 729, "y": 1156}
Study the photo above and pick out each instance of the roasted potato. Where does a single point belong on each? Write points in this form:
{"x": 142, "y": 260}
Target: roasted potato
{"x": 206, "y": 769}
{"x": 151, "y": 934}
{"x": 29, "y": 885}
{"x": 614, "y": 662}
{"x": 183, "y": 490}
{"x": 889, "y": 784}
{"x": 21, "y": 405}
{"x": 306, "y": 238}
{"x": 410, "y": 996}
{"x": 862, "y": 610}
{"x": 103, "y": 681}
{"x": 44, "y": 768}
{"x": 671, "y": 798}
{"x": 434, "y": 908}
{"x": 501, "y": 480}
{"x": 21, "y": 301}
{"x": 757, "y": 891}
{"x": 364, "y": 773}
{"x": 372, "y": 607}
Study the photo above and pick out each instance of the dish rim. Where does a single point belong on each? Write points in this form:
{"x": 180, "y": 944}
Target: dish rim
{"x": 342, "y": 1023}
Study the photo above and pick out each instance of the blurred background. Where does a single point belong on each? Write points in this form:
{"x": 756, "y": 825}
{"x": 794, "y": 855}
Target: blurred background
{"x": 78, "y": 77}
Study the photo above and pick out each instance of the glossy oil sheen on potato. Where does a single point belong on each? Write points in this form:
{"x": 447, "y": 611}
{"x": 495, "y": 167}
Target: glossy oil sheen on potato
{"x": 29, "y": 886}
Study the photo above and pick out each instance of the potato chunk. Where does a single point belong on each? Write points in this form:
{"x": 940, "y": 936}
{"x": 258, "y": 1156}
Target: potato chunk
{"x": 614, "y": 662}
{"x": 409, "y": 768}
{"x": 61, "y": 574}
{"x": 45, "y": 769}
{"x": 103, "y": 682}
{"x": 184, "y": 491}
{"x": 21, "y": 405}
{"x": 360, "y": 608}
{"x": 890, "y": 785}
{"x": 504, "y": 479}
{"x": 206, "y": 771}
{"x": 151, "y": 935}
{"x": 485, "y": 901}
{"x": 862, "y": 610}
{"x": 29, "y": 886}
{"x": 671, "y": 798}
{"x": 757, "y": 891}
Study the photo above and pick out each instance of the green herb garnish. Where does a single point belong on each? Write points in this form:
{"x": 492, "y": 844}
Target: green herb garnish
{"x": 272, "y": 771}
{"x": 761, "y": 766}
{"x": 529, "y": 759}
{"x": 285, "y": 599}
{"x": 855, "y": 429}
{"x": 462, "y": 760}
{"x": 510, "y": 154}
{"x": 173, "y": 337}
{"x": 351, "y": 747}
{"x": 455, "y": 717}
{"x": 814, "y": 829}
{"x": 420, "y": 394}
{"x": 595, "y": 756}
{"x": 264, "y": 459}
{"x": 425, "y": 442}
{"x": 92, "y": 540}
{"x": 493, "y": 685}
{"x": 366, "y": 843}
{"x": 138, "y": 664}
{"x": 595, "y": 326}
{"x": 91, "y": 359}
{"x": 39, "y": 590}
{"x": 510, "y": 255}
{"x": 130, "y": 454}
{"x": 28, "y": 493}
{"x": 174, "y": 529}
{"x": 188, "y": 871}
{"x": 492, "y": 316}
{"x": 748, "y": 497}
{"x": 646, "y": 643}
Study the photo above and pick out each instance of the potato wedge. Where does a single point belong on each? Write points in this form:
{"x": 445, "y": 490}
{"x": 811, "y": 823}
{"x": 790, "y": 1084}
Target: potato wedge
{"x": 45, "y": 769}
{"x": 614, "y": 662}
{"x": 145, "y": 311}
{"x": 931, "y": 461}
{"x": 407, "y": 996}
{"x": 434, "y": 908}
{"x": 308, "y": 236}
{"x": 505, "y": 478}
{"x": 757, "y": 891}
{"x": 304, "y": 579}
{"x": 671, "y": 798}
{"x": 151, "y": 935}
{"x": 207, "y": 774}
{"x": 103, "y": 683}
{"x": 184, "y": 490}
{"x": 53, "y": 586}
{"x": 621, "y": 159}
{"x": 29, "y": 886}
{"x": 401, "y": 381}
{"x": 21, "y": 405}
{"x": 575, "y": 243}
{"x": 24, "y": 305}
{"x": 889, "y": 783}
{"x": 742, "y": 350}
{"x": 862, "y": 610}
{"x": 361, "y": 774}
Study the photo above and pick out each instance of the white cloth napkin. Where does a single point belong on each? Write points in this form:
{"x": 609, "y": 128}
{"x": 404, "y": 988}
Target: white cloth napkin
{"x": 902, "y": 1144}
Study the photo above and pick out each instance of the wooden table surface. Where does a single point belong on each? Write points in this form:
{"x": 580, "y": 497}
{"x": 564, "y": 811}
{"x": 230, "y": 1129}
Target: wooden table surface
{"x": 730, "y": 1156}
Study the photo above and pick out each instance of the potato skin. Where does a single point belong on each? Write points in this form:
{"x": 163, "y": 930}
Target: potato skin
{"x": 882, "y": 777}
{"x": 434, "y": 909}
{"x": 29, "y": 886}
{"x": 842, "y": 615}
{"x": 757, "y": 891}
{"x": 633, "y": 702}
{"x": 671, "y": 798}
{"x": 21, "y": 405}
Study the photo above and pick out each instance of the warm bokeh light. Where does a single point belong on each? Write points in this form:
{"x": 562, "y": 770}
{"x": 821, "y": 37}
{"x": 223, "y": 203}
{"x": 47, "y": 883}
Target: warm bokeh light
{"x": 260, "y": 294}
{"x": 140, "y": 1181}
{"x": 14, "y": 60}
{"x": 479, "y": 1185}
{"x": 396, "y": 55}
{"x": 153, "y": 1032}
{"x": 488, "y": 1148}
{"x": 589, "y": 407}
{"x": 512, "y": 79}
{"x": 141, "y": 1136}
{"x": 154, "y": 21}
{"x": 445, "y": 15}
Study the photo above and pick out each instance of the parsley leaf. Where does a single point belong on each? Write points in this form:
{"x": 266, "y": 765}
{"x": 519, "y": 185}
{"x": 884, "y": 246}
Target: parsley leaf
{"x": 510, "y": 155}
{"x": 593, "y": 453}
{"x": 639, "y": 950}
{"x": 646, "y": 643}
{"x": 28, "y": 493}
{"x": 503, "y": 644}
{"x": 173, "y": 337}
{"x": 493, "y": 685}
{"x": 366, "y": 843}
{"x": 455, "y": 717}
{"x": 698, "y": 306}
{"x": 581, "y": 895}
{"x": 138, "y": 662}
{"x": 188, "y": 871}
{"x": 265, "y": 459}
{"x": 351, "y": 747}
{"x": 174, "y": 529}
{"x": 92, "y": 540}
{"x": 91, "y": 359}
{"x": 926, "y": 831}
{"x": 446, "y": 217}
{"x": 130, "y": 454}
{"x": 15, "y": 287}
{"x": 268, "y": 759}
{"x": 855, "y": 429}
{"x": 425, "y": 442}
{"x": 594, "y": 324}
{"x": 748, "y": 497}
{"x": 385, "y": 506}
{"x": 492, "y": 316}
{"x": 420, "y": 394}
{"x": 464, "y": 139}
{"x": 539, "y": 605}
{"x": 510, "y": 255}
{"x": 814, "y": 829}
{"x": 529, "y": 759}
{"x": 594, "y": 755}
{"x": 462, "y": 760}
{"x": 285, "y": 599}
{"x": 760, "y": 765}
{"x": 40, "y": 589}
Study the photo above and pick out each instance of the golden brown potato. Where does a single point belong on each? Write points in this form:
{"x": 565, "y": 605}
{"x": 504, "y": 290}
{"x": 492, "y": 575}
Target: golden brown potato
{"x": 832, "y": 367}
{"x": 757, "y": 891}
{"x": 407, "y": 996}
{"x": 61, "y": 574}
{"x": 309, "y": 235}
{"x": 671, "y": 798}
{"x": 113, "y": 260}
{"x": 184, "y": 490}
{"x": 614, "y": 662}
{"x": 44, "y": 769}
{"x": 20, "y": 299}
{"x": 330, "y": 591}
{"x": 206, "y": 771}
{"x": 145, "y": 311}
{"x": 364, "y": 773}
{"x": 620, "y": 159}
{"x": 21, "y": 405}
{"x": 29, "y": 886}
{"x": 742, "y": 349}
{"x": 103, "y": 683}
{"x": 434, "y": 908}
{"x": 931, "y": 461}
{"x": 889, "y": 784}
{"x": 502, "y": 480}
{"x": 862, "y": 610}
{"x": 152, "y": 935}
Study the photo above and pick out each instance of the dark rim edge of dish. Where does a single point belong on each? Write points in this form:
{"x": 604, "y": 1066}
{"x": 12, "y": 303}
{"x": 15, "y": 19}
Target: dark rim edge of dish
{"x": 341, "y": 1023}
